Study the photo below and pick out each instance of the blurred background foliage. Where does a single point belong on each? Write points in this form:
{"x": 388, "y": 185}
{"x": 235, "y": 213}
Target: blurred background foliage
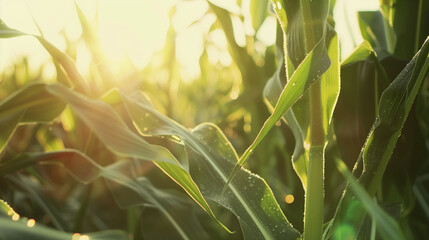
{"x": 235, "y": 57}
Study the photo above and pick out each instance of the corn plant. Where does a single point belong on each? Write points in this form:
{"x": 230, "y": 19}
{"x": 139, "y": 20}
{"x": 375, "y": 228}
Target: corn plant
{"x": 84, "y": 158}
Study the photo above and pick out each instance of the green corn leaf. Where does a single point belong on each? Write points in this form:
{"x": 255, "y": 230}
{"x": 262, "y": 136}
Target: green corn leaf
{"x": 111, "y": 130}
{"x": 37, "y": 195}
{"x": 246, "y": 65}
{"x": 363, "y": 80}
{"x": 271, "y": 93}
{"x": 6, "y": 209}
{"x": 362, "y": 52}
{"x": 211, "y": 159}
{"x": 18, "y": 230}
{"x": 388, "y": 227}
{"x": 94, "y": 46}
{"x": 31, "y": 104}
{"x": 310, "y": 70}
{"x": 375, "y": 28}
{"x": 410, "y": 24}
{"x": 395, "y": 105}
{"x": 128, "y": 189}
{"x": 330, "y": 81}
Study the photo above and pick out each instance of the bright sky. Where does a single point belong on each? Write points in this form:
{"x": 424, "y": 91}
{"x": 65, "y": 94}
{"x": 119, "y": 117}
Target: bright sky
{"x": 136, "y": 28}
{"x": 133, "y": 27}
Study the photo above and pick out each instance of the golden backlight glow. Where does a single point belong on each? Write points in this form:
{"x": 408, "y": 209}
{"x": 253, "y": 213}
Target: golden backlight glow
{"x": 127, "y": 29}
{"x": 136, "y": 30}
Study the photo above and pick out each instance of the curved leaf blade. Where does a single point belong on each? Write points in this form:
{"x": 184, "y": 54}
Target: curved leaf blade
{"x": 388, "y": 227}
{"x": 18, "y": 230}
{"x": 109, "y": 128}
{"x": 211, "y": 158}
{"x": 308, "y": 72}
{"x": 30, "y": 104}
{"x": 65, "y": 61}
{"x": 128, "y": 189}
{"x": 395, "y": 105}
{"x": 114, "y": 133}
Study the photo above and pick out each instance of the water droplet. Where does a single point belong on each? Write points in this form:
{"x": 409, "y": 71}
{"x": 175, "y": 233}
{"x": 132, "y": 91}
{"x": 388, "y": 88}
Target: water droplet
{"x": 146, "y": 114}
{"x": 84, "y": 237}
{"x": 293, "y": 84}
{"x": 15, "y": 217}
{"x": 76, "y": 236}
{"x": 145, "y": 129}
{"x": 31, "y": 223}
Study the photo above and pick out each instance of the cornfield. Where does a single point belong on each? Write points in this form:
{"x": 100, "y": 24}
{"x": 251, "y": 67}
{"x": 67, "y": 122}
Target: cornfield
{"x": 291, "y": 140}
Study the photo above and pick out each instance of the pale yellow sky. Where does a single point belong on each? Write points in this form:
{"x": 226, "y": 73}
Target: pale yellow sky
{"x": 137, "y": 28}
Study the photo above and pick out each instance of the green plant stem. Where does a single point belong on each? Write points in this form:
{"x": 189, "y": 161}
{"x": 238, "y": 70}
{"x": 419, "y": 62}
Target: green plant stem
{"x": 313, "y": 212}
